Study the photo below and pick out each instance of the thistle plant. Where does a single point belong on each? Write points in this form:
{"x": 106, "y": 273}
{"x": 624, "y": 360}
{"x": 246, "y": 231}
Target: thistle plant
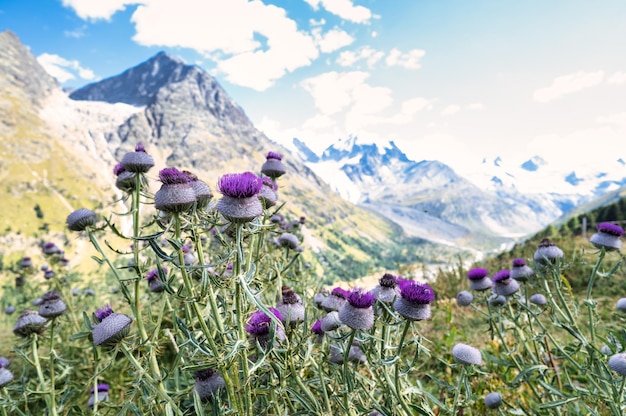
{"x": 206, "y": 305}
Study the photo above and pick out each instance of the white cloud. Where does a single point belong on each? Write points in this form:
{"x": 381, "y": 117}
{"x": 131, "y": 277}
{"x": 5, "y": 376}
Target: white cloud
{"x": 231, "y": 27}
{"x": 370, "y": 55}
{"x": 617, "y": 78}
{"x": 313, "y": 22}
{"x": 332, "y": 91}
{"x": 408, "y": 60}
{"x": 450, "y": 110}
{"x": 567, "y": 84}
{"x": 414, "y": 105}
{"x": 332, "y": 40}
{"x": 476, "y": 106}
{"x": 76, "y": 33}
{"x": 62, "y": 69}
{"x": 100, "y": 9}
{"x": 618, "y": 119}
{"x": 344, "y": 9}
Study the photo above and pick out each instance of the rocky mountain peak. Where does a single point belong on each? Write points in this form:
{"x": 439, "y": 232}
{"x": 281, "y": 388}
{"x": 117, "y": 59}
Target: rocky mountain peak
{"x": 23, "y": 72}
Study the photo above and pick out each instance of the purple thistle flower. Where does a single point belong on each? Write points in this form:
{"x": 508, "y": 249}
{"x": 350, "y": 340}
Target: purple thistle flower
{"x": 101, "y": 394}
{"x": 4, "y": 362}
{"x": 547, "y": 252}
{"x": 520, "y": 271}
{"x": 103, "y": 313}
{"x": 240, "y": 185}
{"x": 6, "y": 376}
{"x": 273, "y": 166}
{"x": 29, "y": 322}
{"x": 417, "y": 293}
{"x": 274, "y": 155}
{"x": 503, "y": 284}
{"x": 477, "y": 273}
{"x": 201, "y": 189}
{"x": 26, "y": 263}
{"x": 519, "y": 262}
{"x": 52, "y": 305}
{"x": 501, "y": 275}
{"x": 289, "y": 241}
{"x": 388, "y": 280}
{"x": 269, "y": 192}
{"x": 290, "y": 306}
{"x": 357, "y": 312}
{"x": 612, "y": 229}
{"x": 608, "y": 236}
{"x": 331, "y": 321}
{"x": 414, "y": 301}
{"x": 361, "y": 299}
{"x": 259, "y": 322}
{"x": 118, "y": 168}
{"x": 111, "y": 327}
{"x": 340, "y": 292}
{"x": 171, "y": 176}
{"x": 317, "y": 327}
{"x": 138, "y": 161}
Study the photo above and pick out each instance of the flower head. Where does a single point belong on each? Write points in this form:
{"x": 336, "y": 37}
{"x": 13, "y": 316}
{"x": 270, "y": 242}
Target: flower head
{"x": 240, "y": 185}
{"x": 273, "y": 166}
{"x": 479, "y": 279}
{"x": 538, "y": 299}
{"x": 357, "y": 312}
{"x": 520, "y": 271}
{"x": 608, "y": 236}
{"x": 289, "y": 241}
{"x": 4, "y": 362}
{"x": 290, "y": 306}
{"x": 493, "y": 400}
{"x": 52, "y": 305}
{"x": 547, "y": 252}
{"x": 477, "y": 273}
{"x": 5, "y": 376}
{"x": 111, "y": 327}
{"x": 617, "y": 363}
{"x": 201, "y": 189}
{"x": 29, "y": 322}
{"x": 101, "y": 394}
{"x": 503, "y": 284}
{"x": 208, "y": 383}
{"x": 176, "y": 193}
{"x": 80, "y": 219}
{"x": 317, "y": 327}
{"x": 138, "y": 161}
{"x": 388, "y": 280}
{"x": 259, "y": 322}
{"x": 417, "y": 293}
{"x": 464, "y": 298}
{"x": 501, "y": 275}
{"x": 171, "y": 176}
{"x": 466, "y": 354}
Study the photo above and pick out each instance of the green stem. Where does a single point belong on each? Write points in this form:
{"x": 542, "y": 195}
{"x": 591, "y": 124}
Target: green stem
{"x": 396, "y": 376}
{"x": 51, "y": 365}
{"x": 42, "y": 381}
{"x": 457, "y": 394}
{"x": 239, "y": 311}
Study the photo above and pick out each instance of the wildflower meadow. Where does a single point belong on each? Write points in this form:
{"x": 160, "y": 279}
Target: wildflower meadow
{"x": 205, "y": 305}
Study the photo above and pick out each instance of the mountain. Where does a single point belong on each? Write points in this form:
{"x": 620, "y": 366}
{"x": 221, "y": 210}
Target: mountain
{"x": 495, "y": 206}
{"x": 58, "y": 152}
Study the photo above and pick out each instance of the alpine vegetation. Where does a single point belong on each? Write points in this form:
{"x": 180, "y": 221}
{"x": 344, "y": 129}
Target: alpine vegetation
{"x": 203, "y": 305}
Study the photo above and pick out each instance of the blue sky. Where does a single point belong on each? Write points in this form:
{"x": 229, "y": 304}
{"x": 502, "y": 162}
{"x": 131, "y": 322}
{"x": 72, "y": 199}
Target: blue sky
{"x": 449, "y": 80}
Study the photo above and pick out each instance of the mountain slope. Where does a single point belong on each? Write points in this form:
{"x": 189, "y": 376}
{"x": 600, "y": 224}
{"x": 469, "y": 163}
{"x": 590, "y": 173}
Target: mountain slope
{"x": 185, "y": 119}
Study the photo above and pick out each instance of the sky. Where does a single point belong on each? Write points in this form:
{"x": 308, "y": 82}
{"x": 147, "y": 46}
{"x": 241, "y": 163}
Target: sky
{"x": 451, "y": 80}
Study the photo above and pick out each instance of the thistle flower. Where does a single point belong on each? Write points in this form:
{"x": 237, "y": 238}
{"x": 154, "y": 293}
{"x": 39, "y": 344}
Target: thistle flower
{"x": 357, "y": 312}
{"x": 269, "y": 192}
{"x": 547, "y": 252}
{"x": 496, "y": 300}
{"x": 273, "y": 166}
{"x": 138, "y": 161}
{"x": 464, "y": 298}
{"x": 259, "y": 324}
{"x": 50, "y": 249}
{"x": 208, "y": 383}
{"x": 493, "y": 400}
{"x": 317, "y": 330}
{"x": 479, "y": 279}
{"x": 26, "y": 263}
{"x": 503, "y": 284}
{"x": 289, "y": 241}
{"x": 330, "y": 321}
{"x": 335, "y": 300}
{"x": 48, "y": 274}
{"x": 414, "y": 301}
{"x": 9, "y": 309}
{"x": 101, "y": 393}
{"x": 80, "y": 219}
{"x": 617, "y": 363}
{"x": 52, "y": 305}
{"x": 154, "y": 281}
{"x": 176, "y": 193}
{"x": 290, "y": 306}
{"x": 387, "y": 289}
{"x": 4, "y": 362}
{"x": 538, "y": 299}
{"x": 520, "y": 271}
{"x": 355, "y": 354}
{"x": 621, "y": 304}
{"x": 5, "y": 376}
{"x": 319, "y": 298}
{"x": 466, "y": 354}
{"x": 608, "y": 236}
{"x": 111, "y": 327}
{"x": 240, "y": 202}
{"x": 201, "y": 189}
{"x": 125, "y": 180}
{"x": 29, "y": 322}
